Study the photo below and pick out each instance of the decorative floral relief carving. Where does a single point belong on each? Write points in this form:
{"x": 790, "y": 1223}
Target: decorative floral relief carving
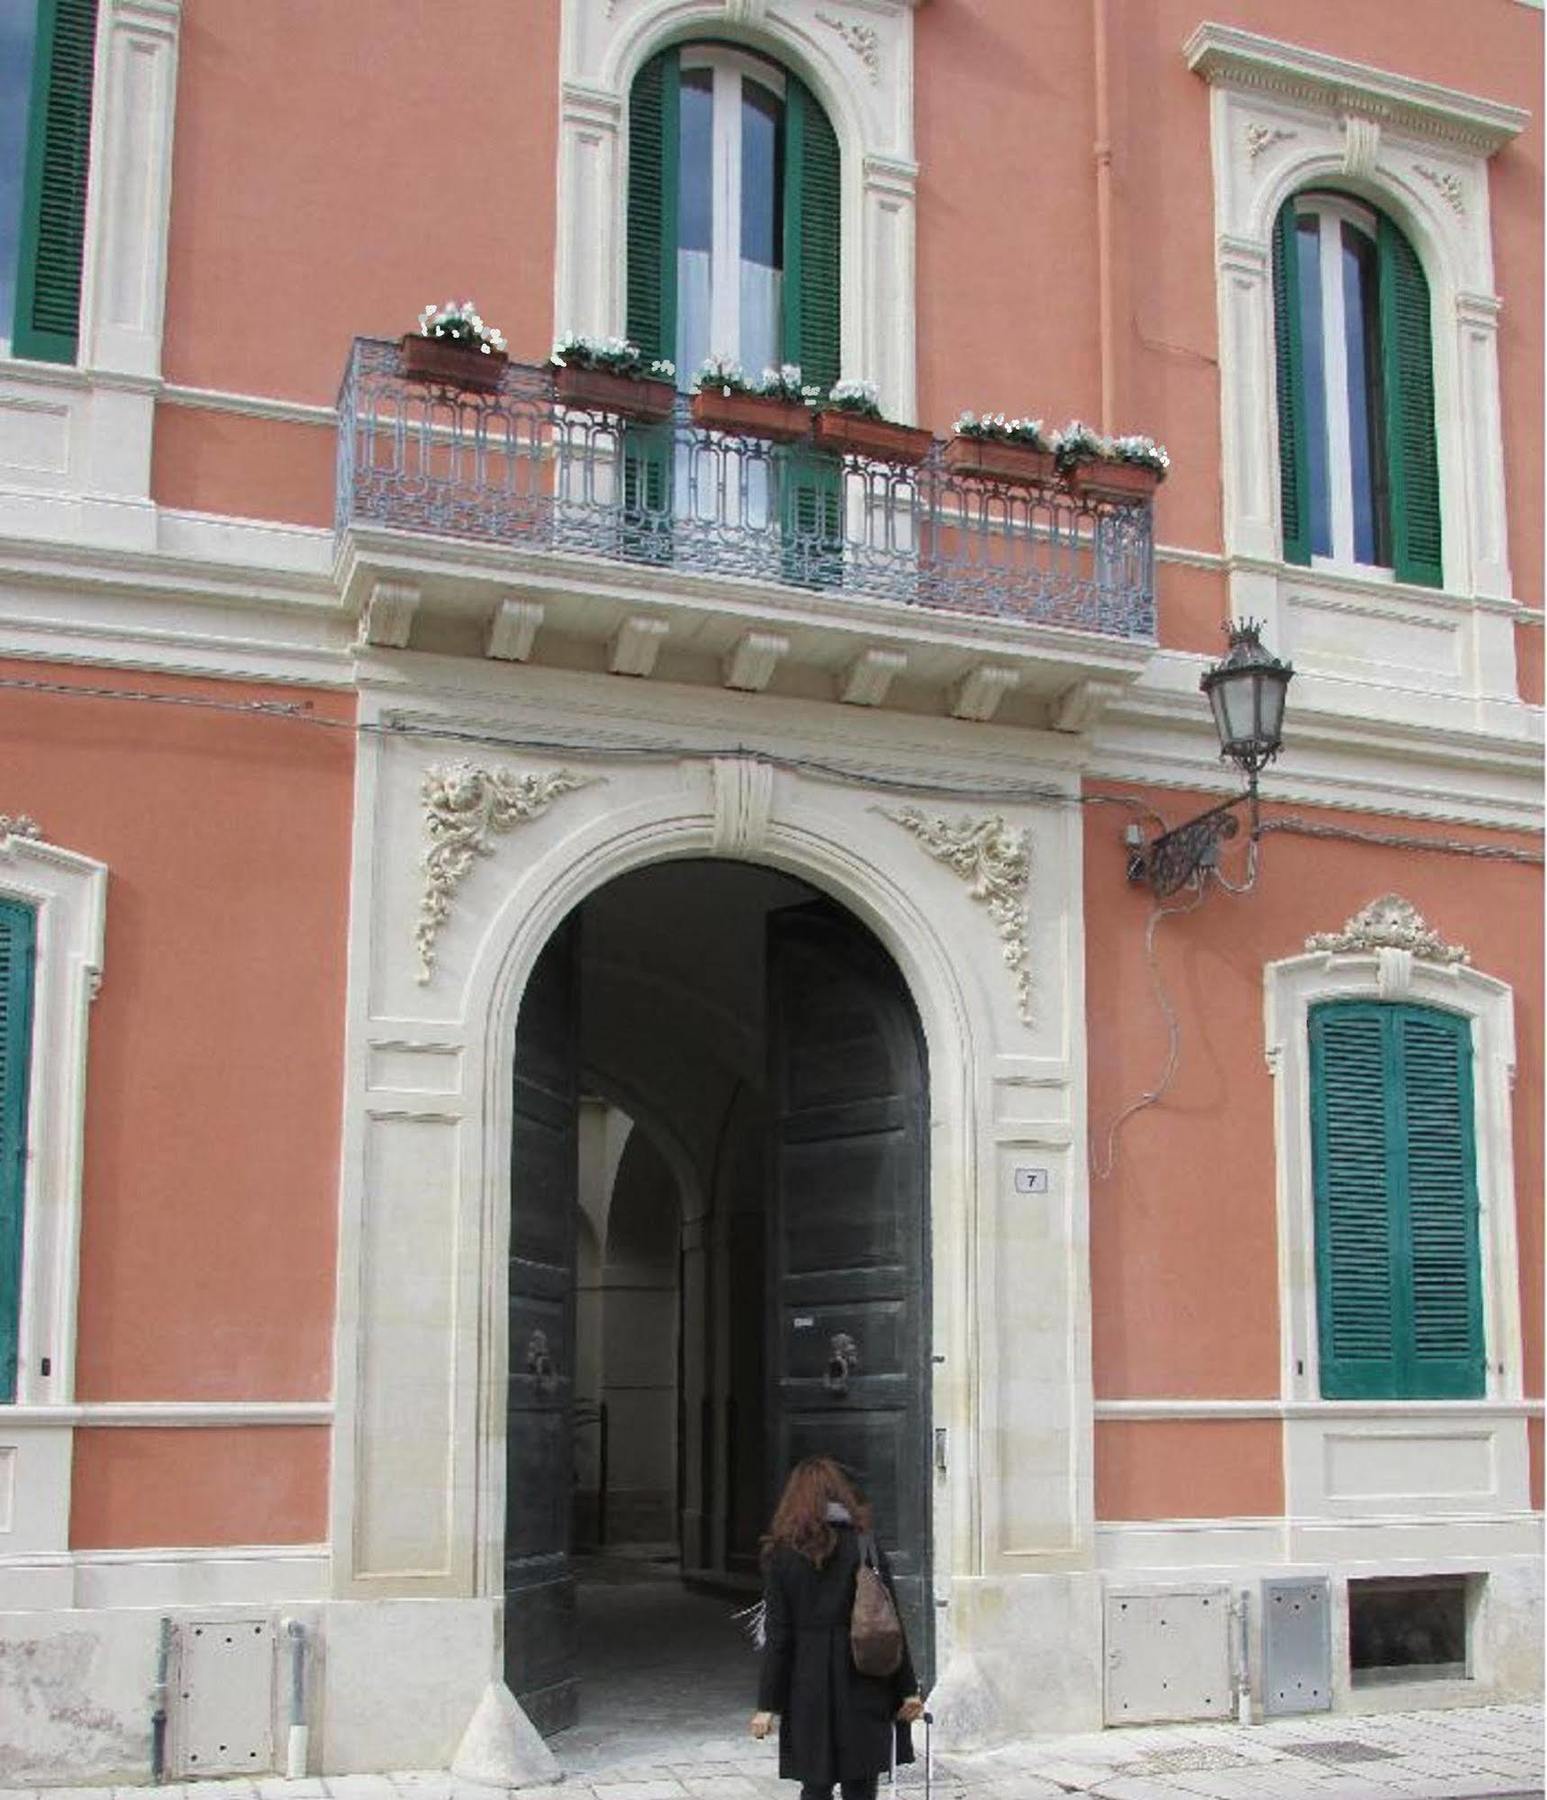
{"x": 1264, "y": 137}
{"x": 863, "y": 40}
{"x": 1450, "y": 185}
{"x": 995, "y": 861}
{"x": 19, "y": 825}
{"x": 1390, "y": 923}
{"x": 464, "y": 806}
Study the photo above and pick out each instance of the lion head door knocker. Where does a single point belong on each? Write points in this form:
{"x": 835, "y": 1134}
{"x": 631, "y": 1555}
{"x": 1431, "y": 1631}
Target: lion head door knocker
{"x": 539, "y": 1362}
{"x": 842, "y": 1361}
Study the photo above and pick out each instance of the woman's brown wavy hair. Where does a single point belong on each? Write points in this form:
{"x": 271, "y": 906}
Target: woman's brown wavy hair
{"x": 800, "y": 1520}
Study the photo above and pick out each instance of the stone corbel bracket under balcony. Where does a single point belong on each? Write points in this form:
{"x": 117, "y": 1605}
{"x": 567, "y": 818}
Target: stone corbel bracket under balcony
{"x": 420, "y": 593}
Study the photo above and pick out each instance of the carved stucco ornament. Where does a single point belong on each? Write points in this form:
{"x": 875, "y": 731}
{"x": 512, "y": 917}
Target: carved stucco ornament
{"x": 1390, "y": 923}
{"x": 18, "y": 825}
{"x": 1264, "y": 137}
{"x": 994, "y": 860}
{"x": 464, "y": 806}
{"x": 1450, "y": 186}
{"x": 863, "y": 40}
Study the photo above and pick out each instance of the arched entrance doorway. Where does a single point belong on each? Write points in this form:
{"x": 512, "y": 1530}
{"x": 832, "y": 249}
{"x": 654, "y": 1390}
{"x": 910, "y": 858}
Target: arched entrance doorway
{"x": 719, "y": 1258}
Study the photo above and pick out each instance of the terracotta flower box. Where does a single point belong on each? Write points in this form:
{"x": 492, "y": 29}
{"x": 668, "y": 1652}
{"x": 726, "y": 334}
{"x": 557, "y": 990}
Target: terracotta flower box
{"x": 996, "y": 460}
{"x": 600, "y": 390}
{"x": 1114, "y": 480}
{"x": 751, "y": 415}
{"x": 446, "y": 361}
{"x": 853, "y": 434}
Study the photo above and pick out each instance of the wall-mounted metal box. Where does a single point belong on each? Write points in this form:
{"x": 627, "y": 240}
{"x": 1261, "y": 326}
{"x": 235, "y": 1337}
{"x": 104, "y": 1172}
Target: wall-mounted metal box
{"x": 1167, "y": 1654}
{"x": 224, "y": 1704}
{"x": 1297, "y": 1646}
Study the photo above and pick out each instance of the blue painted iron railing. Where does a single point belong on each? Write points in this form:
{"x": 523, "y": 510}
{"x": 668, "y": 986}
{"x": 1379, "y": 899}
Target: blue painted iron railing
{"x": 512, "y": 466}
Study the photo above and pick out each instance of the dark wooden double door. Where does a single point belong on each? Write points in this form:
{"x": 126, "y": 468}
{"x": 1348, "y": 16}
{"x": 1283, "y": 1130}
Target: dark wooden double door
{"x": 846, "y": 1299}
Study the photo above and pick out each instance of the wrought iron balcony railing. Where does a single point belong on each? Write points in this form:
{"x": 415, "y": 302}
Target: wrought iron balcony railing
{"x": 513, "y": 466}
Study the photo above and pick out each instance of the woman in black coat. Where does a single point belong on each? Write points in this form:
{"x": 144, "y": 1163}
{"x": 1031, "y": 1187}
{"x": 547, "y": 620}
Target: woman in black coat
{"x": 835, "y": 1725}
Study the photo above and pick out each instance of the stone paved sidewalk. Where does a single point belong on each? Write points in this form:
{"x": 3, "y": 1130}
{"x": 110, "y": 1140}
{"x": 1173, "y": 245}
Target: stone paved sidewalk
{"x": 1476, "y": 1753}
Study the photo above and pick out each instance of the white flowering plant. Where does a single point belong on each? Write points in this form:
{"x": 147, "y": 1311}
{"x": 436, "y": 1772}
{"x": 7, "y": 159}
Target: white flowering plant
{"x": 1141, "y": 450}
{"x": 459, "y": 323}
{"x": 995, "y": 425}
{"x": 1081, "y": 443}
{"x": 861, "y": 398}
{"x": 613, "y": 355}
{"x": 783, "y": 383}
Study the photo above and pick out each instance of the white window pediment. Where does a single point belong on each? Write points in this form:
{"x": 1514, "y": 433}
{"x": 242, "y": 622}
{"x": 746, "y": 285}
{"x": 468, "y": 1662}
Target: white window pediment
{"x": 1284, "y": 120}
{"x": 859, "y": 64}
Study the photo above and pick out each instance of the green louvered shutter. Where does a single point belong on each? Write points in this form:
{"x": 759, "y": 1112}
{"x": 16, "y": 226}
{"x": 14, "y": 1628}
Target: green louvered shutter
{"x": 813, "y": 206}
{"x": 1398, "y": 1272}
{"x": 1407, "y": 358}
{"x": 1293, "y": 470}
{"x": 1440, "y": 1180}
{"x": 812, "y": 505}
{"x": 652, "y": 206}
{"x": 53, "y": 214}
{"x": 1354, "y": 1250}
{"x": 18, "y": 932}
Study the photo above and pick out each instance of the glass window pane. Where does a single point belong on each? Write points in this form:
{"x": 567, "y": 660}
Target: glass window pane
{"x": 695, "y": 160}
{"x": 1314, "y": 366}
{"x": 18, "y": 26}
{"x": 1366, "y": 449}
{"x": 761, "y": 227}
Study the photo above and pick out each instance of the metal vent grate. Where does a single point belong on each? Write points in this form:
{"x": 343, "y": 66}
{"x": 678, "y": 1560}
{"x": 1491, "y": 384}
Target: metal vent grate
{"x": 1344, "y": 1750}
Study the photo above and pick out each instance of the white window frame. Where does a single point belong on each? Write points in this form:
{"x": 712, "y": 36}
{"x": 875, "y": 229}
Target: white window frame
{"x": 862, "y": 75}
{"x": 1424, "y": 1433}
{"x": 68, "y": 893}
{"x": 1284, "y": 119}
{"x": 83, "y": 467}
{"x": 728, "y": 69}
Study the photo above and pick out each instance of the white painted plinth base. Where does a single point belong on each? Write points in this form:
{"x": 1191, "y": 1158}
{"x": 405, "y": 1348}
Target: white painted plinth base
{"x": 502, "y": 1747}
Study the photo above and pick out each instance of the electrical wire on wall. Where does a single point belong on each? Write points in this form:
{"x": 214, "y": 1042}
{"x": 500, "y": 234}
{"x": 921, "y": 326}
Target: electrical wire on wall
{"x": 1102, "y": 1165}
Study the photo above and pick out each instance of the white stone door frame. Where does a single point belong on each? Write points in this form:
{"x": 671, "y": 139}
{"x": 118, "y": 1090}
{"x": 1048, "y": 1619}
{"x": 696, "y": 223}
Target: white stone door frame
{"x": 418, "y": 1467}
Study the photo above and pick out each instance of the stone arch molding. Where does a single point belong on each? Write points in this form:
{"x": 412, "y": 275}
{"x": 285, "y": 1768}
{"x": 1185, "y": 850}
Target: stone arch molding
{"x": 858, "y": 60}
{"x": 1387, "y": 951}
{"x": 876, "y": 889}
{"x": 1284, "y": 118}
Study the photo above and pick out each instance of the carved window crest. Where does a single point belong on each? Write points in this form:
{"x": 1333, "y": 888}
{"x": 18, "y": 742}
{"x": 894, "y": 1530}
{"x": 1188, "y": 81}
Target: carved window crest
{"x": 1389, "y": 923}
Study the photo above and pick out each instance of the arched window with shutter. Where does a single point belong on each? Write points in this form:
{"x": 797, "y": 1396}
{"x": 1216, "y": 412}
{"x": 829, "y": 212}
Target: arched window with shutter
{"x": 1398, "y": 1269}
{"x": 733, "y": 214}
{"x": 1358, "y": 461}
{"x": 51, "y": 226}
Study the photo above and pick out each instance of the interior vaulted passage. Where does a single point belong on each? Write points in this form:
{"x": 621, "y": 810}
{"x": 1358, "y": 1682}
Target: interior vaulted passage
{"x": 718, "y": 1258}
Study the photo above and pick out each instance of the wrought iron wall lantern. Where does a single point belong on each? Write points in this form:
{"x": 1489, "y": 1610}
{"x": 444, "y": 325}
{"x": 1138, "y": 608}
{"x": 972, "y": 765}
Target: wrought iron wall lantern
{"x": 1247, "y": 692}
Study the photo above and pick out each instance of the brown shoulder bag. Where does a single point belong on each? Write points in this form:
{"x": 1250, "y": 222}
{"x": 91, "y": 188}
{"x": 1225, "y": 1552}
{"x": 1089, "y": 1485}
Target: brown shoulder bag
{"x": 875, "y": 1631}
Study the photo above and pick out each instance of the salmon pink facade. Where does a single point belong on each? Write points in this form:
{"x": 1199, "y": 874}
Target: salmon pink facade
{"x": 557, "y": 954}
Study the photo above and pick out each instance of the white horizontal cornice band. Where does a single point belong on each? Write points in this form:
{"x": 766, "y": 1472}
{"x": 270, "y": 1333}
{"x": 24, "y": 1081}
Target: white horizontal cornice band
{"x": 1327, "y": 1411}
{"x": 161, "y": 1414}
{"x": 1226, "y": 55}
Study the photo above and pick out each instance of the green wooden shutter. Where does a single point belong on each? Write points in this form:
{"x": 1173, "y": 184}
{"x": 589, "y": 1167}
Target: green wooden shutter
{"x": 1398, "y": 1269}
{"x": 53, "y": 215}
{"x": 1407, "y": 370}
{"x": 811, "y": 503}
{"x": 18, "y": 934}
{"x": 1354, "y": 1252}
{"x": 1445, "y": 1273}
{"x": 813, "y": 209}
{"x": 1293, "y": 470}
{"x": 652, "y": 206}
